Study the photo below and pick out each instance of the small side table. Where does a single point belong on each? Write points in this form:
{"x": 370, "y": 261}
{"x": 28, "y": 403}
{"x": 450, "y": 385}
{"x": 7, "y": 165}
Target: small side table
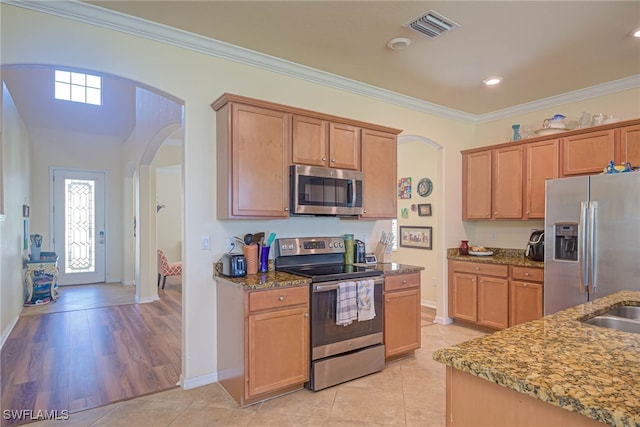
{"x": 41, "y": 279}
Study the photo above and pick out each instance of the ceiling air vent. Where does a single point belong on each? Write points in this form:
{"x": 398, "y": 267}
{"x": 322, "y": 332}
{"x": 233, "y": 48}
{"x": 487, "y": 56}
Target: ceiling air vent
{"x": 432, "y": 24}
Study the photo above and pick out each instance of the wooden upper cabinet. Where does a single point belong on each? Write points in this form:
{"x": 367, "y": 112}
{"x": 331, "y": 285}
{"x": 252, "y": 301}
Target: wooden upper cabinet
{"x": 476, "y": 185}
{"x": 542, "y": 163}
{"x": 252, "y": 166}
{"x": 344, "y": 146}
{"x": 587, "y": 153}
{"x": 322, "y": 143}
{"x": 379, "y": 169}
{"x": 630, "y": 145}
{"x": 508, "y": 166}
{"x": 310, "y": 141}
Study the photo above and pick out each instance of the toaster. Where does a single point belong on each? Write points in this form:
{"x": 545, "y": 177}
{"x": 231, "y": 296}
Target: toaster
{"x": 234, "y": 265}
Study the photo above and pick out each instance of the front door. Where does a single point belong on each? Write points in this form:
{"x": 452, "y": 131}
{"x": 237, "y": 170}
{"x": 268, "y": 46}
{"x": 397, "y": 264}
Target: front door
{"x": 78, "y": 226}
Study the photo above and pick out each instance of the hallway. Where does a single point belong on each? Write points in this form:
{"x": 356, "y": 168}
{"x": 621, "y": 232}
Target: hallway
{"x": 89, "y": 357}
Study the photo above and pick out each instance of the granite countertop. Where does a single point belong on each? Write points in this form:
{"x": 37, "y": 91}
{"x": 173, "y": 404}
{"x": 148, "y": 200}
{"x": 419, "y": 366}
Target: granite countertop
{"x": 276, "y": 279}
{"x": 500, "y": 256}
{"x": 271, "y": 279}
{"x": 393, "y": 268}
{"x": 587, "y": 369}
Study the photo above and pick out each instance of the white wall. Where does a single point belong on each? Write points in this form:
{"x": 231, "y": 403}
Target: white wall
{"x": 418, "y": 159}
{"x": 16, "y": 165}
{"x": 168, "y": 167}
{"x": 84, "y": 151}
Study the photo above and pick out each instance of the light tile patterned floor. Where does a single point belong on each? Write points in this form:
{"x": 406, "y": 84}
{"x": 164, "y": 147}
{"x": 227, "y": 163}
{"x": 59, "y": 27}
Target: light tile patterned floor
{"x": 408, "y": 392}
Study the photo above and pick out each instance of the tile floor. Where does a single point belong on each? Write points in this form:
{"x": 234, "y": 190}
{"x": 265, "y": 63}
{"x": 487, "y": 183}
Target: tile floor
{"x": 408, "y": 392}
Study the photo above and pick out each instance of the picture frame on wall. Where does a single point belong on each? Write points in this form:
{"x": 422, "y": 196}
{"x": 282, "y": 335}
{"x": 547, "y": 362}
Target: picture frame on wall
{"x": 424, "y": 209}
{"x": 416, "y": 237}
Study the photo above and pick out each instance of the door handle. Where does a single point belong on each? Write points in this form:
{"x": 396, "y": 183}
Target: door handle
{"x": 101, "y": 237}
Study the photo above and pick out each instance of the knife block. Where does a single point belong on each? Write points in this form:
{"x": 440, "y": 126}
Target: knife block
{"x": 383, "y": 253}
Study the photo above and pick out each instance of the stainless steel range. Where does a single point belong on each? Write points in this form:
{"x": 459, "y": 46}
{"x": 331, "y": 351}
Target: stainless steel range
{"x": 339, "y": 352}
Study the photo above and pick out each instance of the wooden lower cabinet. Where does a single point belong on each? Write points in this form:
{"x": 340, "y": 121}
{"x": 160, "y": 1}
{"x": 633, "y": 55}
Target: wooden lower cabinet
{"x": 493, "y": 295}
{"x": 525, "y": 294}
{"x": 263, "y": 341}
{"x": 402, "y": 313}
{"x": 472, "y": 401}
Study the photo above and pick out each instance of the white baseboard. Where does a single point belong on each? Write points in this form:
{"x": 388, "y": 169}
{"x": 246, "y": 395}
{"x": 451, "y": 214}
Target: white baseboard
{"x": 430, "y": 304}
{"x": 7, "y": 332}
{"x": 147, "y": 299}
{"x": 129, "y": 283}
{"x": 443, "y": 320}
{"x": 198, "y": 381}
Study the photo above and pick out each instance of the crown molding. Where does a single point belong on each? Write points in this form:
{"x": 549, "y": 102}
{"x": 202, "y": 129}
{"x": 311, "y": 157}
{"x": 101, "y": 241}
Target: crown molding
{"x": 632, "y": 82}
{"x": 94, "y": 15}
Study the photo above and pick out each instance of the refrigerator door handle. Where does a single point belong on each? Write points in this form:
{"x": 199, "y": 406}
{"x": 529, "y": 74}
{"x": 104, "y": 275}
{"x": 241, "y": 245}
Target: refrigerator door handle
{"x": 593, "y": 251}
{"x": 582, "y": 247}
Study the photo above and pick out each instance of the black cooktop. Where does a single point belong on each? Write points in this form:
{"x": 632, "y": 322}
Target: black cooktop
{"x": 331, "y": 272}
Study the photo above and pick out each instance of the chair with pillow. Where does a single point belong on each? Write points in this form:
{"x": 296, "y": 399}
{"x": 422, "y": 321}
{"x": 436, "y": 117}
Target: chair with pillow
{"x": 166, "y": 268}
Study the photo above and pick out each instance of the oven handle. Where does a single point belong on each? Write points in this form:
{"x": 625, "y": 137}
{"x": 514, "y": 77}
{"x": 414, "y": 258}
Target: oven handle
{"x": 332, "y": 286}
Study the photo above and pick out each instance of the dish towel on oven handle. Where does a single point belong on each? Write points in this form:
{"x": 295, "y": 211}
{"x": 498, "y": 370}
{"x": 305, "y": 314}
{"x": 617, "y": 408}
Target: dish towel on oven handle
{"x": 366, "y": 306}
{"x": 347, "y": 304}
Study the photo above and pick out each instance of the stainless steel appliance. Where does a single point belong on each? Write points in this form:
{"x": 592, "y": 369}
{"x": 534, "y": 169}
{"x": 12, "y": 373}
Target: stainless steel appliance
{"x": 234, "y": 265}
{"x": 325, "y": 191}
{"x": 535, "y": 246}
{"x": 338, "y": 353}
{"x": 592, "y": 243}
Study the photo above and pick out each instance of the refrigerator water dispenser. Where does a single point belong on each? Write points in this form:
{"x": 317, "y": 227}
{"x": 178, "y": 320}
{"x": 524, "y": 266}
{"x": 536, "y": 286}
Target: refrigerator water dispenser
{"x": 566, "y": 241}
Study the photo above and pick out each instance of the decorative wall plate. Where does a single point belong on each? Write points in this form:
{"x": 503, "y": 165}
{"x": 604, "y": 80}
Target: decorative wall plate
{"x": 425, "y": 187}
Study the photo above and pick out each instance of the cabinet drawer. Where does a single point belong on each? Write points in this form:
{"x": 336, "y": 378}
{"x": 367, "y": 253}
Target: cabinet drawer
{"x": 277, "y": 298}
{"x": 528, "y": 274}
{"x": 401, "y": 281}
{"x": 481, "y": 268}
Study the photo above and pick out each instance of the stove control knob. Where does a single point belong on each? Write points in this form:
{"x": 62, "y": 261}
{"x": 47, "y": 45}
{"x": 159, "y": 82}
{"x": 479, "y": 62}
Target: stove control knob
{"x": 290, "y": 246}
{"x": 341, "y": 244}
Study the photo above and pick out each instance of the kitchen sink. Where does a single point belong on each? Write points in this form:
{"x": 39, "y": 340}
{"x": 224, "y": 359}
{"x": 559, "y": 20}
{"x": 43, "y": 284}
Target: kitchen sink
{"x": 613, "y": 322}
{"x": 626, "y": 311}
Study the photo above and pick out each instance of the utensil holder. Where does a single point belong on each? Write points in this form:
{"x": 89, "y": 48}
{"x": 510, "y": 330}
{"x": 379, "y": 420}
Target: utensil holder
{"x": 251, "y": 257}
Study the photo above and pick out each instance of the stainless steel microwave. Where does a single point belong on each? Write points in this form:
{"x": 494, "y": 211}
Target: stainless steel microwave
{"x": 325, "y": 191}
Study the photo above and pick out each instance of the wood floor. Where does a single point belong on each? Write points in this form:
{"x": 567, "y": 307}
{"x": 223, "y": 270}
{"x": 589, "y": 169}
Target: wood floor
{"x": 80, "y": 359}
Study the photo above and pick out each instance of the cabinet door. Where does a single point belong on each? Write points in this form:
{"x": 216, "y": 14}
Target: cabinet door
{"x": 525, "y": 302}
{"x": 379, "y": 170}
{"x": 493, "y": 302}
{"x": 464, "y": 297}
{"x": 476, "y": 185}
{"x": 542, "y": 160}
{"x": 344, "y": 146}
{"x": 508, "y": 166}
{"x": 630, "y": 145}
{"x": 588, "y": 153}
{"x": 310, "y": 141}
{"x": 401, "y": 322}
{"x": 260, "y": 176}
{"x": 278, "y": 350}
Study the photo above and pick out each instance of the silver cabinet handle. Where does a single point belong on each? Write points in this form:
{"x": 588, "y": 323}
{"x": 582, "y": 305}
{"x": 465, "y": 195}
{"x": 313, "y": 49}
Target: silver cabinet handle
{"x": 306, "y": 315}
{"x": 324, "y": 159}
{"x": 333, "y": 160}
{"x": 526, "y": 273}
{"x": 286, "y": 209}
{"x": 280, "y": 298}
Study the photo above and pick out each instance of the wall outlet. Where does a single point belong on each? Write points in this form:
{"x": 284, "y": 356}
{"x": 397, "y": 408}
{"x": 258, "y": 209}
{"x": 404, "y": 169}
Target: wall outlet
{"x": 205, "y": 243}
{"x": 231, "y": 244}
{"x": 434, "y": 282}
{"x": 492, "y": 236}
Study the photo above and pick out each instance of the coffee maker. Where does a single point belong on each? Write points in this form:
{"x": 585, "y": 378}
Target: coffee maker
{"x": 535, "y": 247}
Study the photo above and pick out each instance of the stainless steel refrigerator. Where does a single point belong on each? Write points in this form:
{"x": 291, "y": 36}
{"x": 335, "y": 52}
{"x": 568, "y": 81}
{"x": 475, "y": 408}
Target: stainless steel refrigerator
{"x": 592, "y": 238}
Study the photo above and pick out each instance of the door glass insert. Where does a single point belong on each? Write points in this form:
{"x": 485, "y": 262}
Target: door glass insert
{"x": 79, "y": 226}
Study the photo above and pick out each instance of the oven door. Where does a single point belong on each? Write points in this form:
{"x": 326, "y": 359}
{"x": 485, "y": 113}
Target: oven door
{"x": 327, "y": 338}
{"x": 325, "y": 191}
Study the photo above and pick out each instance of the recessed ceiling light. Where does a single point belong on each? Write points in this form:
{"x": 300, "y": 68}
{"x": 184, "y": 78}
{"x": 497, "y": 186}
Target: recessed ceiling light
{"x": 636, "y": 32}
{"x": 492, "y": 81}
{"x": 399, "y": 43}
